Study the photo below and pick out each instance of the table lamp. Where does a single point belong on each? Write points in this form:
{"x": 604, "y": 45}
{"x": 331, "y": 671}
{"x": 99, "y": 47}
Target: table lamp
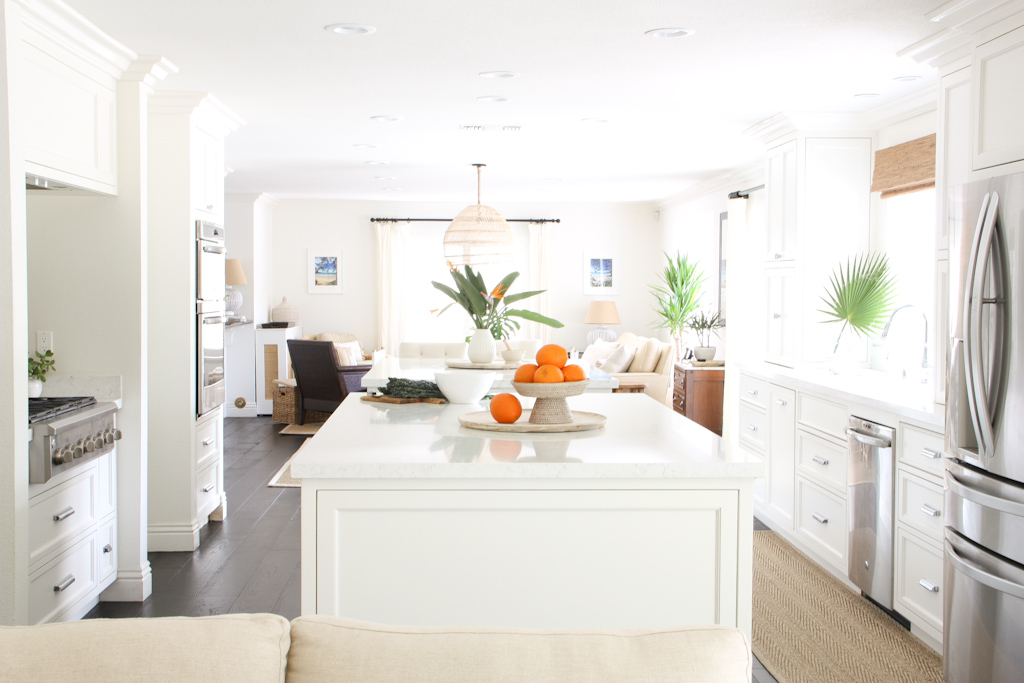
{"x": 602, "y": 313}
{"x": 233, "y": 275}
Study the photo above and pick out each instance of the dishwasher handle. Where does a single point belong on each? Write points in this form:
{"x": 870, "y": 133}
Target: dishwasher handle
{"x": 874, "y": 441}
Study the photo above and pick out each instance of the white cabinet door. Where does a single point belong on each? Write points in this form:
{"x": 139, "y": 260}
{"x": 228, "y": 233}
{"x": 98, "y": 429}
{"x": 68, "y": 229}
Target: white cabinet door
{"x": 782, "y": 453}
{"x": 953, "y": 149}
{"x": 780, "y": 290}
{"x": 207, "y": 173}
{"x": 998, "y": 101}
{"x": 940, "y": 349}
{"x": 781, "y": 198}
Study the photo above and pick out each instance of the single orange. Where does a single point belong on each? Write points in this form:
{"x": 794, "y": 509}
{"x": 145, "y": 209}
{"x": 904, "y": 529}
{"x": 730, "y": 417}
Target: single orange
{"x": 552, "y": 354}
{"x": 505, "y": 408}
{"x": 548, "y": 374}
{"x": 573, "y": 373}
{"x": 525, "y": 373}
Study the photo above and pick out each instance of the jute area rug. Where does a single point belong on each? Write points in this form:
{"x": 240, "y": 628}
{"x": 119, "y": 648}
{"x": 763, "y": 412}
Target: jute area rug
{"x": 810, "y": 628}
{"x": 308, "y": 429}
{"x": 283, "y": 478}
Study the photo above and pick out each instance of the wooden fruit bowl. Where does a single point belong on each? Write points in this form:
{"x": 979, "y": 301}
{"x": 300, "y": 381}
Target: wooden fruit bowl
{"x": 551, "y": 406}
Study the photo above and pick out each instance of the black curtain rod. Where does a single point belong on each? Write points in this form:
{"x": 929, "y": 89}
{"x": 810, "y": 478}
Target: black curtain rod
{"x": 449, "y": 220}
{"x": 743, "y": 194}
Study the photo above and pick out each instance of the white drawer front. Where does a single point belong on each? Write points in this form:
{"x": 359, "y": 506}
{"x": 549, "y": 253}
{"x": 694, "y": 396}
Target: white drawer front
{"x": 825, "y": 416}
{"x": 921, "y": 448}
{"x": 106, "y": 548}
{"x": 753, "y": 426}
{"x": 821, "y": 521}
{"x": 208, "y": 489}
{"x": 754, "y": 391}
{"x": 207, "y": 445}
{"x": 821, "y": 460}
{"x": 918, "y": 579}
{"x": 55, "y": 516}
{"x": 61, "y": 582}
{"x": 920, "y": 504}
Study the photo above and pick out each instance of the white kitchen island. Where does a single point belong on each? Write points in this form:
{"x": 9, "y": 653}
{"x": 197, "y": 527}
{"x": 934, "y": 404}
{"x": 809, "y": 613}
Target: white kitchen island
{"x": 424, "y": 369}
{"x": 410, "y": 518}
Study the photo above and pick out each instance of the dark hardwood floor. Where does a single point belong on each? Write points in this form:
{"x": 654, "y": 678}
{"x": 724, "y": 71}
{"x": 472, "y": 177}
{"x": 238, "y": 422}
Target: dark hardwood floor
{"x": 250, "y": 561}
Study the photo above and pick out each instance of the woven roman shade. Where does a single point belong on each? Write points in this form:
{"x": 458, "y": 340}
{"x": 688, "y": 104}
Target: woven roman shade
{"x": 905, "y": 168}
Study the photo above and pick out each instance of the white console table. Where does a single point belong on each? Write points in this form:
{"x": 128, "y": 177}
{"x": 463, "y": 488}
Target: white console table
{"x": 272, "y": 362}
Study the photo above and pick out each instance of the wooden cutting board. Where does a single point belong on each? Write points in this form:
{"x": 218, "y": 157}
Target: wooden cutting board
{"x": 392, "y": 399}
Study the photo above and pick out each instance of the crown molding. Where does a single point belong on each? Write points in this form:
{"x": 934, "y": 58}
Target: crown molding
{"x": 59, "y": 23}
{"x": 149, "y": 70}
{"x": 740, "y": 178}
{"x": 963, "y": 22}
{"x": 201, "y": 103}
{"x": 921, "y": 101}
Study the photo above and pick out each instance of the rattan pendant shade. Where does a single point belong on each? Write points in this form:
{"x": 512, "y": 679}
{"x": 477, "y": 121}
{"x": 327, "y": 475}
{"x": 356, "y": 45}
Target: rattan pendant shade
{"x": 478, "y": 235}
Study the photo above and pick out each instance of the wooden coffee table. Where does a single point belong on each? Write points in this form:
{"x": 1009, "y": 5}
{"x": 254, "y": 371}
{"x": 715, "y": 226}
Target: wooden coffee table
{"x": 631, "y": 388}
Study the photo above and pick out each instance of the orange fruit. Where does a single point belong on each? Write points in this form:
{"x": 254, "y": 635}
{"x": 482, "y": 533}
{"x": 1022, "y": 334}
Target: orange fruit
{"x": 505, "y": 408}
{"x": 552, "y": 354}
{"x": 505, "y": 451}
{"x": 548, "y": 374}
{"x": 573, "y": 373}
{"x": 525, "y": 373}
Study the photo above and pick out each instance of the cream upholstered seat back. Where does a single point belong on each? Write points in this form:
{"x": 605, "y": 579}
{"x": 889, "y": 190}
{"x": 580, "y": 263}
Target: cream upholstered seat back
{"x": 433, "y": 350}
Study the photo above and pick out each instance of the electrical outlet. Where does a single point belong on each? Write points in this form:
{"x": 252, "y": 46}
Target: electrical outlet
{"x": 44, "y": 341}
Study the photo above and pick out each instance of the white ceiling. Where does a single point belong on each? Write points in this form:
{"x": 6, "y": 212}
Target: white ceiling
{"x": 676, "y": 108}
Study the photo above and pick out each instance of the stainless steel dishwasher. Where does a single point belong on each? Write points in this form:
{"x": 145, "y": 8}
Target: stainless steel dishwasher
{"x": 870, "y": 500}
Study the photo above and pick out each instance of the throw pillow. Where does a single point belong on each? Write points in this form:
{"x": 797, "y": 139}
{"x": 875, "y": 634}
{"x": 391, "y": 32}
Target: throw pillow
{"x": 647, "y": 357}
{"x": 619, "y": 360}
{"x": 598, "y": 351}
{"x": 349, "y": 353}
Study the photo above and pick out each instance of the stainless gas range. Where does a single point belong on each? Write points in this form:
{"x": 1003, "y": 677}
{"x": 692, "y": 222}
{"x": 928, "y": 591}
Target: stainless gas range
{"x": 67, "y": 432}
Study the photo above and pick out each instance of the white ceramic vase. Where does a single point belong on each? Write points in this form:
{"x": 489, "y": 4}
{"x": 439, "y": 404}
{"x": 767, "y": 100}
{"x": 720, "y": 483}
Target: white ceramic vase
{"x": 703, "y": 353}
{"x": 35, "y": 387}
{"x": 481, "y": 347}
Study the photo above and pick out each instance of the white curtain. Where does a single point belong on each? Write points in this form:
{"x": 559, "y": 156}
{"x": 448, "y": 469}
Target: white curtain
{"x": 540, "y": 243}
{"x": 390, "y": 304}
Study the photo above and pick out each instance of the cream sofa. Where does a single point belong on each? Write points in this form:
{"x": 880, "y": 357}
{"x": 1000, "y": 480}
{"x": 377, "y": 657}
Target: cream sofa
{"x": 659, "y": 380}
{"x": 265, "y": 648}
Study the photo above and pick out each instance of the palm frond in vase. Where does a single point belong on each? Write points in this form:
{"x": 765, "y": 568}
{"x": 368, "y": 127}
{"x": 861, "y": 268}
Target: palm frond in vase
{"x": 860, "y": 296}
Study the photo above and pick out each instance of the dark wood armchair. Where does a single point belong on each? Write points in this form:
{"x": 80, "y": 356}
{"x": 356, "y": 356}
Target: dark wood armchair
{"x": 322, "y": 383}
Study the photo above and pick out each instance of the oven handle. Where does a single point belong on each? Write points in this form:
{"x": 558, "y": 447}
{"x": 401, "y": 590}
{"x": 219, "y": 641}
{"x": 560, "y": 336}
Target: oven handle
{"x": 965, "y": 566}
{"x": 219, "y": 320}
{"x": 869, "y": 440}
{"x": 214, "y": 250}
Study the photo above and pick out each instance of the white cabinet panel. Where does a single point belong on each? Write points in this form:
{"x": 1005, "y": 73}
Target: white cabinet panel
{"x": 781, "y": 453}
{"x": 998, "y": 101}
{"x": 781, "y": 198}
{"x": 821, "y": 522}
{"x": 822, "y": 460}
{"x": 754, "y": 391}
{"x": 919, "y": 581}
{"x": 753, "y": 427}
{"x": 61, "y": 513}
{"x": 780, "y": 290}
{"x": 825, "y": 416}
{"x": 920, "y": 505}
{"x": 59, "y": 584}
{"x": 953, "y": 151}
{"x": 921, "y": 448}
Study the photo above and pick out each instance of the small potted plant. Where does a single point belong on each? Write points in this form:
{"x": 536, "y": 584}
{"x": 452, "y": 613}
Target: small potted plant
{"x": 37, "y": 369}
{"x": 704, "y": 326}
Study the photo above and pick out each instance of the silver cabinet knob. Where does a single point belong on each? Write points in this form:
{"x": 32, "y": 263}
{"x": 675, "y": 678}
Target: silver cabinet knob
{"x": 780, "y": 401}
{"x": 752, "y": 428}
{"x": 928, "y": 586}
{"x": 208, "y": 488}
{"x": 108, "y": 548}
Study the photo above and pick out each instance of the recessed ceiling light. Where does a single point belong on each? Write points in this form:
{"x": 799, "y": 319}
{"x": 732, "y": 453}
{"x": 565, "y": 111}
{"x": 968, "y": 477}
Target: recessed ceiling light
{"x": 497, "y": 74}
{"x": 376, "y": 163}
{"x": 385, "y": 177}
{"x": 867, "y": 94}
{"x": 907, "y": 78}
{"x": 386, "y": 119}
{"x": 670, "y": 32}
{"x": 594, "y": 120}
{"x": 492, "y": 98}
{"x": 363, "y": 145}
{"x": 349, "y": 29}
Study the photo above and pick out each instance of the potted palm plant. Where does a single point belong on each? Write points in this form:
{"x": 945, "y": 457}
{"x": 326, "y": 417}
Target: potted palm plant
{"x": 704, "y": 326}
{"x": 860, "y": 296}
{"x": 677, "y": 297}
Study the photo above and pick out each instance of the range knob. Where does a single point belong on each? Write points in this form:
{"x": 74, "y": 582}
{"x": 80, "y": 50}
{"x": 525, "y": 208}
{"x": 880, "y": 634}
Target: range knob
{"x": 90, "y": 445}
{"x": 79, "y": 449}
{"x": 63, "y": 456}
{"x": 117, "y": 435}
{"x": 108, "y": 436}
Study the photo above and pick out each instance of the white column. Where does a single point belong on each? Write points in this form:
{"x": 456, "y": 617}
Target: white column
{"x": 13, "y": 331}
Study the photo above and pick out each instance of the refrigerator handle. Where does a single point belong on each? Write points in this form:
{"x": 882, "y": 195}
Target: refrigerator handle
{"x": 983, "y": 408}
{"x": 987, "y": 500}
{"x": 968, "y": 568}
{"x": 972, "y": 330}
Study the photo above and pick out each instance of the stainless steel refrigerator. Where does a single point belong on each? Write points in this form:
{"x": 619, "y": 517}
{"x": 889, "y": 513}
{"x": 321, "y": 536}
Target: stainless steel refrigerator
{"x": 983, "y": 607}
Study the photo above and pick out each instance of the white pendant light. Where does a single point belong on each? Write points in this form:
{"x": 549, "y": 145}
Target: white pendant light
{"x": 478, "y": 235}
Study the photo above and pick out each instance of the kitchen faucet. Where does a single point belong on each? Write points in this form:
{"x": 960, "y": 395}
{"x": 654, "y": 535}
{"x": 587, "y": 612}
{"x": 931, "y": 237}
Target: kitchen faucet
{"x": 924, "y": 357}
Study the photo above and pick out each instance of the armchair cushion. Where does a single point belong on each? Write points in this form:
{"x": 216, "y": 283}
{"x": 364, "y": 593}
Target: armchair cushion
{"x": 599, "y": 350}
{"x": 647, "y": 355}
{"x": 349, "y": 353}
{"x": 619, "y": 360}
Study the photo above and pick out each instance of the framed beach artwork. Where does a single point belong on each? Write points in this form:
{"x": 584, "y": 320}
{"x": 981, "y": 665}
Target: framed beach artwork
{"x": 601, "y": 273}
{"x": 325, "y": 272}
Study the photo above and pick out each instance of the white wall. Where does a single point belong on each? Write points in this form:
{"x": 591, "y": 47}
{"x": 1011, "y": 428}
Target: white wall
{"x": 626, "y": 229}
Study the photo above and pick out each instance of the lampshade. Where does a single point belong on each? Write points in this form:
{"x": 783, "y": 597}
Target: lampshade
{"x": 233, "y": 273}
{"x": 602, "y": 313}
{"x": 478, "y": 235}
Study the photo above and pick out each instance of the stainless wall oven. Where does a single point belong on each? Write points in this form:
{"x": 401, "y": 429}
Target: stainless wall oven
{"x": 210, "y": 318}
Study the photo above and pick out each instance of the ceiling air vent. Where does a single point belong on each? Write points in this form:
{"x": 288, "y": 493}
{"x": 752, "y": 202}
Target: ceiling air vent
{"x": 490, "y": 129}
{"x": 474, "y": 129}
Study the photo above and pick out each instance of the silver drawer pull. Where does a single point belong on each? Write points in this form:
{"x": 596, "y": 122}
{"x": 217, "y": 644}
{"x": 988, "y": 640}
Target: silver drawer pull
{"x": 208, "y": 488}
{"x": 776, "y": 315}
{"x": 780, "y": 401}
{"x": 752, "y": 392}
{"x": 929, "y": 510}
{"x": 819, "y": 519}
{"x": 63, "y": 585}
{"x": 820, "y": 460}
{"x": 64, "y": 514}
{"x": 778, "y": 256}
{"x": 108, "y": 548}
{"x": 752, "y": 428}
{"x": 930, "y": 453}
{"x": 929, "y": 586}
{"x": 207, "y": 442}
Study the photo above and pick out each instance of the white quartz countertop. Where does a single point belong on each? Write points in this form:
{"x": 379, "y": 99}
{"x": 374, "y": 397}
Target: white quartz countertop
{"x": 642, "y": 439}
{"x": 872, "y": 388}
{"x": 424, "y": 369}
{"x": 100, "y": 387}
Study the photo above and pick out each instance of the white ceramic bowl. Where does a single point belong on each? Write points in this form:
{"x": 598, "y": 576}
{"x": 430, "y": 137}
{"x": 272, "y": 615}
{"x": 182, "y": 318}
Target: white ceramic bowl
{"x": 513, "y": 355}
{"x": 464, "y": 386}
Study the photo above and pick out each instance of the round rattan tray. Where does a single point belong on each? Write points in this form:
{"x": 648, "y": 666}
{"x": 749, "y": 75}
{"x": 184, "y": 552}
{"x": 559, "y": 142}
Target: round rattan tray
{"x": 581, "y": 422}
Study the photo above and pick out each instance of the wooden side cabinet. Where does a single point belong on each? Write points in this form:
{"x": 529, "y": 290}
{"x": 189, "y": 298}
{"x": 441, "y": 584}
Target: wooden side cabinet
{"x": 698, "y": 394}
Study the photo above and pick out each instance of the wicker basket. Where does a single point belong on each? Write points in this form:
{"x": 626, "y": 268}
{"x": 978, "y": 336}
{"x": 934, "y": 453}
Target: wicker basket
{"x": 286, "y": 408}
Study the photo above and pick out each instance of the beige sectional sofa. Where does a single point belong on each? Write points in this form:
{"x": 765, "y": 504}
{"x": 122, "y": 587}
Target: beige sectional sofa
{"x": 265, "y": 648}
{"x": 650, "y": 360}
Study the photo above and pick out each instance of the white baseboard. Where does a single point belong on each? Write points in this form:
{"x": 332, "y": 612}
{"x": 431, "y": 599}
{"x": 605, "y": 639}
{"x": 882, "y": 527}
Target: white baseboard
{"x": 131, "y": 585}
{"x": 169, "y": 538}
{"x": 248, "y": 411}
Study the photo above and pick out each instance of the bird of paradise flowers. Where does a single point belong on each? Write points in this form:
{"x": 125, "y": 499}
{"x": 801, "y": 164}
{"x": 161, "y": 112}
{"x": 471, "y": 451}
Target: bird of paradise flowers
{"x": 489, "y": 309}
